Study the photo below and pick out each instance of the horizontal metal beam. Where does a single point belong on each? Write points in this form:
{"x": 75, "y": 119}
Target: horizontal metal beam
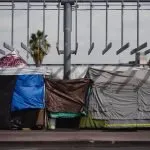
{"x": 82, "y": 9}
{"x": 62, "y": 52}
{"x": 79, "y": 1}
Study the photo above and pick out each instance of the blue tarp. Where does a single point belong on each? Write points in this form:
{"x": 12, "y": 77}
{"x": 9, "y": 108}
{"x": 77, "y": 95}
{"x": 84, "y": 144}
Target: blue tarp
{"x": 28, "y": 93}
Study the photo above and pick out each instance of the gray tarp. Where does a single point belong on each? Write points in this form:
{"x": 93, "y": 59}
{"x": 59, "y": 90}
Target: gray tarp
{"x": 120, "y": 95}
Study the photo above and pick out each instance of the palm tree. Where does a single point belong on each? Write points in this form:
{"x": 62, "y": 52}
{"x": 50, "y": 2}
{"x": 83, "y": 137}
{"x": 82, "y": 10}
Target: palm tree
{"x": 39, "y": 47}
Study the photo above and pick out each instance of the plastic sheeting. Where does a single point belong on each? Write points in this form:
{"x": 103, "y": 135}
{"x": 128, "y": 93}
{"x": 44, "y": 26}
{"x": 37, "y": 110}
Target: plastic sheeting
{"x": 66, "y": 95}
{"x": 28, "y": 93}
{"x": 131, "y": 123}
{"x": 119, "y": 95}
{"x": 88, "y": 122}
{"x": 12, "y": 60}
{"x": 24, "y": 71}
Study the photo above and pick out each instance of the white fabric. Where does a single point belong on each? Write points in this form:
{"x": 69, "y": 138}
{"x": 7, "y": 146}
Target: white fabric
{"x": 25, "y": 70}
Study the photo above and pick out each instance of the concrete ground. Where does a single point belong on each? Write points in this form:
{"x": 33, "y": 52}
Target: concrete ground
{"x": 90, "y": 136}
{"x": 75, "y": 140}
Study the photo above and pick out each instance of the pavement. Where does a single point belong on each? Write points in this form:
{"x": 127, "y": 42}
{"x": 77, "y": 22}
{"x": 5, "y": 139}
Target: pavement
{"x": 90, "y": 136}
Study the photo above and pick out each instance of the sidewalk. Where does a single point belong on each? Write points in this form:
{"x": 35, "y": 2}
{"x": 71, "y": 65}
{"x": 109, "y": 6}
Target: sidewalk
{"x": 74, "y": 136}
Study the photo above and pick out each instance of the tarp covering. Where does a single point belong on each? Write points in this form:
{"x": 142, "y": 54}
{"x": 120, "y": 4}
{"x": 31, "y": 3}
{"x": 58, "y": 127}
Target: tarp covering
{"x": 131, "y": 123}
{"x": 88, "y": 122}
{"x": 119, "y": 95}
{"x": 28, "y": 92}
{"x": 7, "y": 84}
{"x": 23, "y": 93}
{"x": 14, "y": 64}
{"x": 66, "y": 95}
{"x": 12, "y": 60}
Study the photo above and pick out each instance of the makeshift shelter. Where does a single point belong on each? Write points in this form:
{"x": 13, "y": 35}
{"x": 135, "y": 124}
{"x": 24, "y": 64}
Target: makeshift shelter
{"x": 66, "y": 98}
{"x": 66, "y": 95}
{"x": 21, "y": 87}
{"x": 118, "y": 99}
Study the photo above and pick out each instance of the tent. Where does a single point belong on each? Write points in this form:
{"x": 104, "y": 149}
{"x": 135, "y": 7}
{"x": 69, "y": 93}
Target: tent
{"x": 118, "y": 99}
{"x": 21, "y": 87}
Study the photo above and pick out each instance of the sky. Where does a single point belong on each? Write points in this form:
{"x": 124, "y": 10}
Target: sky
{"x": 82, "y": 57}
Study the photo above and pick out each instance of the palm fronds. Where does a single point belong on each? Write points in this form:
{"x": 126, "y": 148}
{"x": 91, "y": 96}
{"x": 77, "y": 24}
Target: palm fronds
{"x": 39, "y": 46}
